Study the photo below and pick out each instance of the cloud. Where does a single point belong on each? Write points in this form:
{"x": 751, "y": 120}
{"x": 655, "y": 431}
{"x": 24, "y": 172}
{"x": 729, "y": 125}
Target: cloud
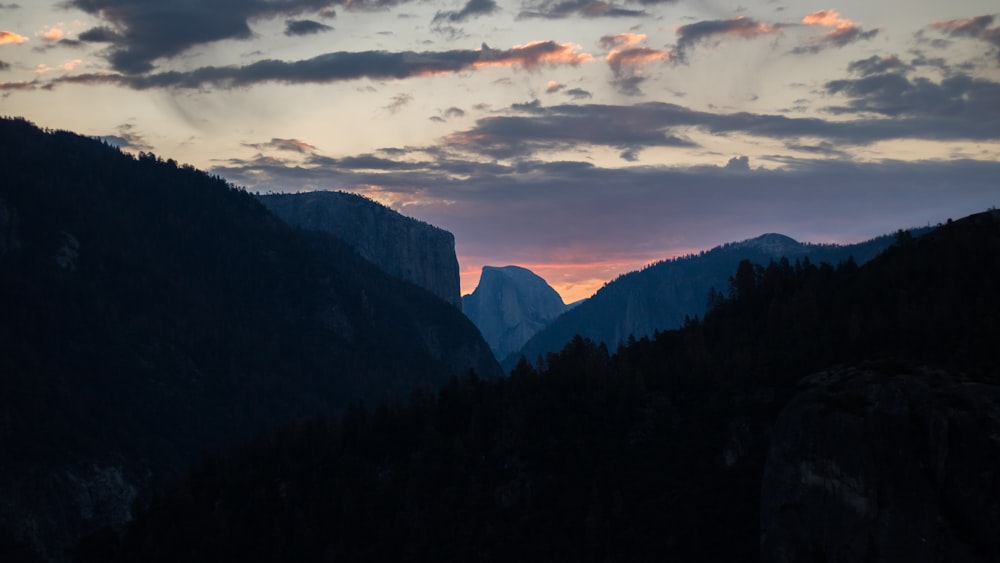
{"x": 340, "y": 66}
{"x": 844, "y": 32}
{"x": 287, "y": 145}
{"x": 4, "y": 65}
{"x": 126, "y": 138}
{"x": 739, "y": 164}
{"x": 560, "y": 9}
{"x": 305, "y": 27}
{"x": 977, "y": 28}
{"x": 472, "y": 9}
{"x": 142, "y": 31}
{"x": 959, "y": 98}
{"x": 454, "y": 112}
{"x": 578, "y": 94}
{"x": 66, "y": 67}
{"x": 398, "y": 102}
{"x": 53, "y": 33}
{"x": 877, "y": 65}
{"x": 960, "y": 108}
{"x": 553, "y": 87}
{"x": 9, "y": 37}
{"x": 627, "y": 58}
{"x": 532, "y": 55}
{"x": 742, "y": 27}
{"x": 10, "y": 6}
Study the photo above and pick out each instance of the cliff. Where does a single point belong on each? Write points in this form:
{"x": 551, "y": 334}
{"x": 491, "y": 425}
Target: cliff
{"x": 404, "y": 247}
{"x": 510, "y": 305}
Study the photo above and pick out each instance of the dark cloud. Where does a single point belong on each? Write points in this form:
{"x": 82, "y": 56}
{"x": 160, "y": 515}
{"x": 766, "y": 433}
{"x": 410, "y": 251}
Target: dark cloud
{"x": 305, "y": 27}
{"x": 472, "y": 9}
{"x": 143, "y": 31}
{"x": 959, "y": 98}
{"x": 399, "y": 101}
{"x": 578, "y": 94}
{"x": 692, "y": 34}
{"x": 4, "y": 65}
{"x": 288, "y": 145}
{"x": 977, "y": 28}
{"x": 533, "y": 128}
{"x": 10, "y": 6}
{"x": 738, "y": 164}
{"x": 877, "y": 65}
{"x": 339, "y": 66}
{"x": 560, "y": 9}
{"x": 454, "y": 112}
{"x": 126, "y": 138}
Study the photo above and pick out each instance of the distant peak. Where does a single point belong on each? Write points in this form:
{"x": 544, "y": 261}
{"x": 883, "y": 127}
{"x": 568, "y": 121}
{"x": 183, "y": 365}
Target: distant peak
{"x": 772, "y": 242}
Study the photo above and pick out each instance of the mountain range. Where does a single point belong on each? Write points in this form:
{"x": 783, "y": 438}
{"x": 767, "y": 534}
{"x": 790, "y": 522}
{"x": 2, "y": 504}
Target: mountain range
{"x": 662, "y": 295}
{"x": 814, "y": 413}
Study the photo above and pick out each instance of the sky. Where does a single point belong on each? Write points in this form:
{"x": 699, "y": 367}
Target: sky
{"x": 579, "y": 138}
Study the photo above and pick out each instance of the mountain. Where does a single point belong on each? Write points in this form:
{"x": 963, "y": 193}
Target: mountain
{"x": 662, "y": 295}
{"x": 404, "y": 247}
{"x": 510, "y": 305}
{"x": 819, "y": 413}
{"x": 151, "y": 312}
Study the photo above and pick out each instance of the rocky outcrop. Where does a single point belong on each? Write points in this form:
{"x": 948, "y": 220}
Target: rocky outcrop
{"x": 404, "y": 247}
{"x": 510, "y": 305}
{"x": 870, "y": 465}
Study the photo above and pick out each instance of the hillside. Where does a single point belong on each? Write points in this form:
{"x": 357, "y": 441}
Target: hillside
{"x": 820, "y": 413}
{"x": 409, "y": 249}
{"x": 152, "y": 312}
{"x": 662, "y": 295}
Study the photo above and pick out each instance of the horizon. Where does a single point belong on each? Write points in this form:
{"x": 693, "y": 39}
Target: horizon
{"x": 579, "y": 139}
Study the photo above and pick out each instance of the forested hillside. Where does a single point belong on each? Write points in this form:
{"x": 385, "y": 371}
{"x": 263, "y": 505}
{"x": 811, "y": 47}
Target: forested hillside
{"x": 860, "y": 400}
{"x": 151, "y": 312}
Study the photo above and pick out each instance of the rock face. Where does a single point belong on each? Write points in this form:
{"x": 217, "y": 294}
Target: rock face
{"x": 871, "y": 466}
{"x": 402, "y": 246}
{"x": 510, "y": 305}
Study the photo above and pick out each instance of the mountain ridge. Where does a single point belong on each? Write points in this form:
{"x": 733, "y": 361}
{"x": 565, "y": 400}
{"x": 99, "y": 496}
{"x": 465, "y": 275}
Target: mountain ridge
{"x": 661, "y": 295}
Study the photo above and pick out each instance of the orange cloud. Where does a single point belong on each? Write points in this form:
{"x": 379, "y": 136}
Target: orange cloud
{"x": 66, "y": 66}
{"x": 827, "y": 18}
{"x": 532, "y": 55}
{"x": 626, "y": 55}
{"x": 844, "y": 31}
{"x": 553, "y": 86}
{"x": 54, "y": 33}
{"x": 11, "y": 37}
{"x": 634, "y": 57}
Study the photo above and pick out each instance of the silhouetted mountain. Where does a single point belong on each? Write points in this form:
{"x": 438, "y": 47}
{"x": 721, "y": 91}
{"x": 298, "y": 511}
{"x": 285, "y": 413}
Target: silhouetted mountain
{"x": 662, "y": 295}
{"x": 818, "y": 413}
{"x": 405, "y": 247}
{"x": 510, "y": 305}
{"x": 149, "y": 312}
